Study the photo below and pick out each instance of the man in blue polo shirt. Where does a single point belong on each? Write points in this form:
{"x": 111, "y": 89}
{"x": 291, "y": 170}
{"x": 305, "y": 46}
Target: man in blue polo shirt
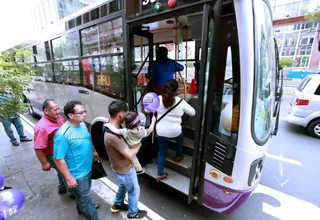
{"x": 73, "y": 154}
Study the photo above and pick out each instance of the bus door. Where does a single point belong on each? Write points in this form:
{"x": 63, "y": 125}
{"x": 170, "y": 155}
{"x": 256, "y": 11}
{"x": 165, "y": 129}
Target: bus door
{"x": 141, "y": 48}
{"x": 209, "y": 41}
{"x": 220, "y": 79}
{"x": 279, "y": 84}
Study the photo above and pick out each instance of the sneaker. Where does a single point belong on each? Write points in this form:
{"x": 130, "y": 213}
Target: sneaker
{"x": 118, "y": 208}
{"x": 15, "y": 143}
{"x": 25, "y": 139}
{"x": 5, "y": 187}
{"x": 141, "y": 171}
{"x": 139, "y": 215}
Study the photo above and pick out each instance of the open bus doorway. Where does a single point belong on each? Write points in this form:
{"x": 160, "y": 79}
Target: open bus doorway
{"x": 181, "y": 36}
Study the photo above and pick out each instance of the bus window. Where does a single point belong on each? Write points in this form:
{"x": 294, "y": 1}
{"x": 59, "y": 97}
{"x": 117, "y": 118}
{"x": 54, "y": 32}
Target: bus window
{"x": 65, "y": 47}
{"x": 44, "y": 72}
{"x": 229, "y": 110}
{"x": 226, "y": 124}
{"x": 140, "y": 54}
{"x": 30, "y": 57}
{"x": 90, "y": 68}
{"x": 262, "y": 105}
{"x": 67, "y": 72}
{"x": 104, "y": 38}
{"x": 227, "y": 95}
{"x": 111, "y": 81}
{"x": 111, "y": 37}
{"x": 41, "y": 53}
{"x": 187, "y": 50}
{"x": 89, "y": 40}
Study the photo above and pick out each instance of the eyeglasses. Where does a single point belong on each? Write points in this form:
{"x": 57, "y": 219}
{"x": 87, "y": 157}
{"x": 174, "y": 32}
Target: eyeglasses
{"x": 80, "y": 113}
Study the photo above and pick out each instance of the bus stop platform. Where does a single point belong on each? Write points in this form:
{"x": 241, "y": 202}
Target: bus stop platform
{"x": 22, "y": 170}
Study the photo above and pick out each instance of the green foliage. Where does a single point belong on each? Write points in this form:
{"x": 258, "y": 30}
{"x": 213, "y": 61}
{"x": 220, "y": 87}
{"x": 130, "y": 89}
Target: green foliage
{"x": 287, "y": 62}
{"x": 15, "y": 77}
{"x": 314, "y": 16}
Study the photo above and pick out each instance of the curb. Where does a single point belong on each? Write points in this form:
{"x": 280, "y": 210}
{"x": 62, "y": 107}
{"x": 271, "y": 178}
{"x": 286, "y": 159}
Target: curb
{"x": 30, "y": 123}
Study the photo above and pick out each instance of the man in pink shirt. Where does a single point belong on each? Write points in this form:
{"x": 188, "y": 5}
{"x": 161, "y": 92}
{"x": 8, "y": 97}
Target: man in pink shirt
{"x": 44, "y": 132}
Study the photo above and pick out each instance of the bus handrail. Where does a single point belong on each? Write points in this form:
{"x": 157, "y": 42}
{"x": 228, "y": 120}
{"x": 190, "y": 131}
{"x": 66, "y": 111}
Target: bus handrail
{"x": 139, "y": 71}
{"x": 184, "y": 84}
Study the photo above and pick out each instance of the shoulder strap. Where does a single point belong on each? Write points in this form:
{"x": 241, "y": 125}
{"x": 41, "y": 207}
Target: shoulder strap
{"x": 105, "y": 129}
{"x": 169, "y": 110}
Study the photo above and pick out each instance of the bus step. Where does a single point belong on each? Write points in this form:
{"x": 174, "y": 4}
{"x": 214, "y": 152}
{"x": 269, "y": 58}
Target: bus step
{"x": 188, "y": 131}
{"x": 184, "y": 167}
{"x": 174, "y": 179}
{"x": 187, "y": 148}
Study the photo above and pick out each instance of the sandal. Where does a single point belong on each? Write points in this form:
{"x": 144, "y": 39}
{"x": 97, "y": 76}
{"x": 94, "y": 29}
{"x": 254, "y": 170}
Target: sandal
{"x": 179, "y": 159}
{"x": 163, "y": 176}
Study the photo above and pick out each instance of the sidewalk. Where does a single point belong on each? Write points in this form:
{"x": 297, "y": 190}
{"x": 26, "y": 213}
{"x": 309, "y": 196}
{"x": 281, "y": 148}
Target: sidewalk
{"x": 21, "y": 169}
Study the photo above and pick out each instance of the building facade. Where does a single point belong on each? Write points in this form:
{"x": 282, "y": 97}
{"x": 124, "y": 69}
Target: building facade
{"x": 45, "y": 13}
{"x": 297, "y": 38}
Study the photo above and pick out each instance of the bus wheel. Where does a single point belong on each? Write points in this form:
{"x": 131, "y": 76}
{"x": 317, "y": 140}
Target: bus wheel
{"x": 314, "y": 128}
{"x": 98, "y": 138}
{"x": 30, "y": 109}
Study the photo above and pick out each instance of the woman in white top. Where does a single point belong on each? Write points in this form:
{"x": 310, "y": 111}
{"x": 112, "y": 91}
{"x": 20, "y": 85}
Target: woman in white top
{"x": 169, "y": 127}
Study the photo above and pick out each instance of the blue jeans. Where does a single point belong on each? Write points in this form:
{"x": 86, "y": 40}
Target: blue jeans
{"x": 62, "y": 183}
{"x": 128, "y": 182}
{"x": 163, "y": 150}
{"x": 83, "y": 198}
{"x": 7, "y": 127}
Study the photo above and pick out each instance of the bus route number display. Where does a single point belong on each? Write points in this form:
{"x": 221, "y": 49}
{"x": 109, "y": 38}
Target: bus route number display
{"x": 146, "y": 4}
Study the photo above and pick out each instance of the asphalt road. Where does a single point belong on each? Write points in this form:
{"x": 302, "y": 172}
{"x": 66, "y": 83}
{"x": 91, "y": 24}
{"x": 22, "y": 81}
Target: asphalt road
{"x": 291, "y": 83}
{"x": 289, "y": 187}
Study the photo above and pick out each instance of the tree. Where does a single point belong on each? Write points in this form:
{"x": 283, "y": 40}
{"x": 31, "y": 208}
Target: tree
{"x": 314, "y": 16}
{"x": 287, "y": 62}
{"x": 15, "y": 77}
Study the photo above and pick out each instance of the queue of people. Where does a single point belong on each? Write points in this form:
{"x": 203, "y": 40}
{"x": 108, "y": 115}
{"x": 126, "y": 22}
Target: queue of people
{"x": 66, "y": 146}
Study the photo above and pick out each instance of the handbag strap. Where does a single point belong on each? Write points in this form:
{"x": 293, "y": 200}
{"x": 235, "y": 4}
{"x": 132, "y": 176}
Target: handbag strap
{"x": 162, "y": 116}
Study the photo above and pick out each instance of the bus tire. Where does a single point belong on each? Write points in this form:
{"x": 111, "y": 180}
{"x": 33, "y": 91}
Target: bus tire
{"x": 314, "y": 128}
{"x": 97, "y": 136}
{"x": 30, "y": 109}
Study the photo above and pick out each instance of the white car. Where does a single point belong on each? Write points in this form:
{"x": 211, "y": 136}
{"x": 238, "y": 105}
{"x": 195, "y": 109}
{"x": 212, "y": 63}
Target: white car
{"x": 304, "y": 108}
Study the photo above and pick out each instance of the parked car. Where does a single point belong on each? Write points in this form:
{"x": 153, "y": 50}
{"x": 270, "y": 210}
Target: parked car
{"x": 304, "y": 108}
